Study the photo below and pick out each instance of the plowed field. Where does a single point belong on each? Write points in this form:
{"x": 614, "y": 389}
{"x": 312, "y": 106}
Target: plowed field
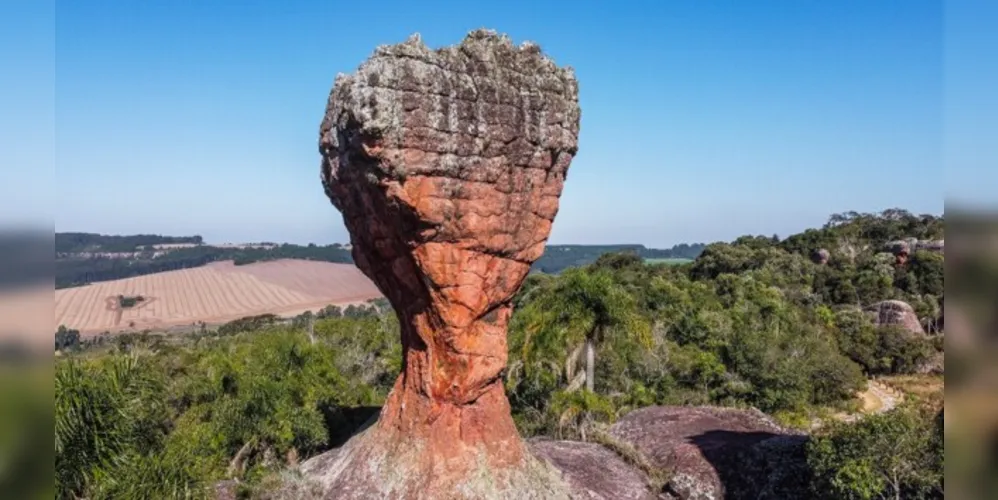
{"x": 215, "y": 293}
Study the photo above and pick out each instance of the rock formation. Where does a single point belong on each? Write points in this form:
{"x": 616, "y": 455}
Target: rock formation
{"x": 821, "y": 256}
{"x": 896, "y": 312}
{"x": 714, "y": 453}
{"x": 592, "y": 471}
{"x": 447, "y": 166}
{"x": 901, "y": 250}
{"x": 931, "y": 245}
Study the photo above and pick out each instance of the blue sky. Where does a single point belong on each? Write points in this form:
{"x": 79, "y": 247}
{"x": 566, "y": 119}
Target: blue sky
{"x": 701, "y": 121}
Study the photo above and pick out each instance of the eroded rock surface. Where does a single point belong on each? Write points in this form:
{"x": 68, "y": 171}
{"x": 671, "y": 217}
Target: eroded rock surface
{"x": 821, "y": 256}
{"x": 447, "y": 166}
{"x": 897, "y": 313}
{"x": 715, "y": 453}
{"x": 593, "y": 471}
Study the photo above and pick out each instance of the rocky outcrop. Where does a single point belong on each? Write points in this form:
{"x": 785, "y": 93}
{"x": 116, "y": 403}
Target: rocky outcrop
{"x": 714, "y": 453}
{"x": 593, "y": 471}
{"x": 895, "y": 313}
{"x": 821, "y": 256}
{"x": 902, "y": 249}
{"x": 447, "y": 166}
{"x": 931, "y": 245}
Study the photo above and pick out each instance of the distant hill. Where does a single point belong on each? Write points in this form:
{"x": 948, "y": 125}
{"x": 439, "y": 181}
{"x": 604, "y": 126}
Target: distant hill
{"x": 83, "y": 258}
{"x": 559, "y": 257}
{"x": 92, "y": 242}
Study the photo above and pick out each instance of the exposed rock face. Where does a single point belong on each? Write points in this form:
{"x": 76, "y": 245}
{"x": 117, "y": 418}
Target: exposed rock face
{"x": 821, "y": 256}
{"x": 594, "y": 472}
{"x": 896, "y": 312}
{"x": 931, "y": 245}
{"x": 447, "y": 166}
{"x": 901, "y": 250}
{"x": 715, "y": 453}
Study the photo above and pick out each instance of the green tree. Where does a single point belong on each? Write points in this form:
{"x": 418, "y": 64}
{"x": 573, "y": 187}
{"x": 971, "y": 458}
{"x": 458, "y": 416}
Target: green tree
{"x": 575, "y": 315}
{"x": 66, "y": 339}
{"x": 892, "y": 455}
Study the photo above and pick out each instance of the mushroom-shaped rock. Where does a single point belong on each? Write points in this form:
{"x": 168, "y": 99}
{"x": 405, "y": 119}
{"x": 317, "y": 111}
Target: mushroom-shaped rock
{"x": 714, "y": 453}
{"x": 896, "y": 312}
{"x": 447, "y": 166}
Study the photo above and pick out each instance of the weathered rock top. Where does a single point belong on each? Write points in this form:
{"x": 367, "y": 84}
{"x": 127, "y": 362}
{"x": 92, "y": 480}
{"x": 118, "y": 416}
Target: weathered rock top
{"x": 479, "y": 137}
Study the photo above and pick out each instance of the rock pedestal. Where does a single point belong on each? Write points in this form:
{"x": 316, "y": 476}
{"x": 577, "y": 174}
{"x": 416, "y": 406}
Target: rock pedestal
{"x": 447, "y": 166}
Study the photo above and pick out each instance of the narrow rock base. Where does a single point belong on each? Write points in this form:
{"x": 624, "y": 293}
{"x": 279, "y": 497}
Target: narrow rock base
{"x": 377, "y": 463}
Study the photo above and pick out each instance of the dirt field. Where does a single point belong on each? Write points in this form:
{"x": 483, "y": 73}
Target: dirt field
{"x": 214, "y": 294}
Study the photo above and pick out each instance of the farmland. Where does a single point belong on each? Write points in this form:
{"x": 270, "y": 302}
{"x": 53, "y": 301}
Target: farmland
{"x": 214, "y": 293}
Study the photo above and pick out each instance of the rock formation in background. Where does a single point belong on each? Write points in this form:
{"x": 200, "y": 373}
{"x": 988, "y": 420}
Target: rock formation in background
{"x": 447, "y": 166}
{"x": 931, "y": 245}
{"x": 821, "y": 256}
{"x": 895, "y": 312}
{"x": 901, "y": 250}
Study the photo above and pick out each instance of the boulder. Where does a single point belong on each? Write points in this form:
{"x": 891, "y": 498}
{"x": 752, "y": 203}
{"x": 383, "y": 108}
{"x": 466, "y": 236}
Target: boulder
{"x": 931, "y": 245}
{"x": 447, "y": 166}
{"x": 821, "y": 256}
{"x": 898, "y": 247}
{"x": 714, "y": 453}
{"x": 895, "y": 312}
{"x": 593, "y": 471}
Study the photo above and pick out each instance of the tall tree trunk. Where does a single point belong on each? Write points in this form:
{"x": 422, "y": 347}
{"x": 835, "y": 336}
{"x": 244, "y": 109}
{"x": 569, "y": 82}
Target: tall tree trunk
{"x": 590, "y": 364}
{"x": 571, "y": 361}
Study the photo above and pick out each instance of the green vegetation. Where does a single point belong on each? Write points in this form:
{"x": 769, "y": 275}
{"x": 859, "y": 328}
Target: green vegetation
{"x": 750, "y": 323}
{"x": 898, "y": 454}
{"x": 67, "y": 339}
{"x": 90, "y": 242}
{"x": 129, "y": 301}
{"x": 155, "y": 418}
{"x": 669, "y": 261}
{"x": 559, "y": 257}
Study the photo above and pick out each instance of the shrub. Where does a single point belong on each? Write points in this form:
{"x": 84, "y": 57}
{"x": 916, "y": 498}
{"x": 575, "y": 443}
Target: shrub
{"x": 897, "y": 454}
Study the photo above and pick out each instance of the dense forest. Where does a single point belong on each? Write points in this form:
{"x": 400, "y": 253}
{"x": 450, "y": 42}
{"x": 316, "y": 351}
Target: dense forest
{"x": 91, "y": 242}
{"x": 784, "y": 326}
{"x": 559, "y": 257}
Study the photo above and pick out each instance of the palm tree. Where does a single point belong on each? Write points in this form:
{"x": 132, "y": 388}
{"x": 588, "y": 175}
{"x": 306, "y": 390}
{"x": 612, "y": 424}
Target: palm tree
{"x": 575, "y": 313}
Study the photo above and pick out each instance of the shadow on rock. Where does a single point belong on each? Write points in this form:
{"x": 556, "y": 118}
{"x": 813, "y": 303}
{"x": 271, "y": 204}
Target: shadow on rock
{"x": 341, "y": 422}
{"x": 713, "y": 453}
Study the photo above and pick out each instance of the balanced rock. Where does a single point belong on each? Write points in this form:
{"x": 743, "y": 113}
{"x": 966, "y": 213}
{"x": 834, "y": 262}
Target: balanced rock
{"x": 447, "y": 166}
{"x": 896, "y": 313}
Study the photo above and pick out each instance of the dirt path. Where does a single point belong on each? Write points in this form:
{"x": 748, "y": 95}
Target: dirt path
{"x": 877, "y": 398}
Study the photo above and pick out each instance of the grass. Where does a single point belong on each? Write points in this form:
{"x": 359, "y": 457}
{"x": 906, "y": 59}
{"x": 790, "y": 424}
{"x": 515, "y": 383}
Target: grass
{"x": 927, "y": 388}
